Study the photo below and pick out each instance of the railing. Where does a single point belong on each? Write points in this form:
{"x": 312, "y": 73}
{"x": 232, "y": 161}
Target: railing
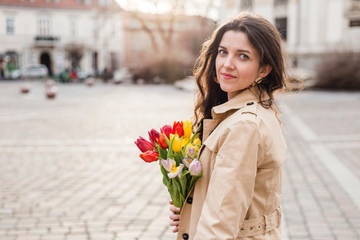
{"x": 280, "y": 2}
{"x": 48, "y": 41}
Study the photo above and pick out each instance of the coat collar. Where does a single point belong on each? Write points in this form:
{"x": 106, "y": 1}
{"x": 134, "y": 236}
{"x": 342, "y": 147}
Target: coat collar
{"x": 239, "y": 101}
{"x": 220, "y": 112}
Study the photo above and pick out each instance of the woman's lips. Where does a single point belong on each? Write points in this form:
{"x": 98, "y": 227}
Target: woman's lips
{"x": 227, "y": 76}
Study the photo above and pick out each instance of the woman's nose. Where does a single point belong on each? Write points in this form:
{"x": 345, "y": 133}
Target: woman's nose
{"x": 229, "y": 63}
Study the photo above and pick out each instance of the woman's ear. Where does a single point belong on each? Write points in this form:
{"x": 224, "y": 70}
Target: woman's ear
{"x": 264, "y": 71}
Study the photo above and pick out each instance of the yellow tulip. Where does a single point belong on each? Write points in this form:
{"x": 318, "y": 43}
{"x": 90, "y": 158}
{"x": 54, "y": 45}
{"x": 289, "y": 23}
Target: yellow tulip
{"x": 187, "y": 128}
{"x": 195, "y": 147}
{"x": 176, "y": 146}
{"x": 197, "y": 141}
{"x": 184, "y": 141}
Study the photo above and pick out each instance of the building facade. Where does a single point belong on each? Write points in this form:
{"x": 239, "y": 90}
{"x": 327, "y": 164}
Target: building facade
{"x": 311, "y": 29}
{"x": 61, "y": 34}
{"x": 153, "y": 36}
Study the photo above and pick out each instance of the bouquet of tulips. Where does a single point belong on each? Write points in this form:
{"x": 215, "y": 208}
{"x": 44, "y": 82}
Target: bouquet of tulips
{"x": 176, "y": 148}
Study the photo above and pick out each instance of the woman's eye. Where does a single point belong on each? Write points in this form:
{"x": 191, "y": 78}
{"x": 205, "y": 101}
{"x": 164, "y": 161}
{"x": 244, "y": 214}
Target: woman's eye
{"x": 244, "y": 56}
{"x": 222, "y": 52}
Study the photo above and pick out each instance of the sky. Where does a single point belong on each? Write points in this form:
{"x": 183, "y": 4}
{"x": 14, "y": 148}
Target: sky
{"x": 192, "y": 7}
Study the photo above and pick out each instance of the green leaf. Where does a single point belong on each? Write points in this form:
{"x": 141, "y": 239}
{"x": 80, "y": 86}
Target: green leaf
{"x": 170, "y": 153}
{"x": 167, "y": 140}
{"x": 165, "y": 181}
{"x": 181, "y": 200}
{"x": 175, "y": 193}
{"x": 170, "y": 190}
{"x": 162, "y": 153}
{"x": 197, "y": 130}
{"x": 183, "y": 182}
{"x": 178, "y": 158}
{"x": 164, "y": 173}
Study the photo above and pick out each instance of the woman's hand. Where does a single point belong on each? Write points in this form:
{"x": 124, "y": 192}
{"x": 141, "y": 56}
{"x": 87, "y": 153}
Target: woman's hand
{"x": 174, "y": 217}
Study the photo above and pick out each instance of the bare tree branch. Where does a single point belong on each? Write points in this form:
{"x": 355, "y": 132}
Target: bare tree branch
{"x": 147, "y": 30}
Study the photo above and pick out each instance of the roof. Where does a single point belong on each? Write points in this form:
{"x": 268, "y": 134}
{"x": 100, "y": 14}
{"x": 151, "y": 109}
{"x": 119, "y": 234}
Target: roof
{"x": 61, "y": 4}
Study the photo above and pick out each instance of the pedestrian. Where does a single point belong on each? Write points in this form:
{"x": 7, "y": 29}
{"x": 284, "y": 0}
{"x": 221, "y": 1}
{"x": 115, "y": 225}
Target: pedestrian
{"x": 238, "y": 196}
{"x": 73, "y": 75}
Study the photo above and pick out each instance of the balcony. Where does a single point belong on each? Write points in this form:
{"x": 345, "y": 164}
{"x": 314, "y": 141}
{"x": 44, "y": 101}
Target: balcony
{"x": 353, "y": 10}
{"x": 46, "y": 41}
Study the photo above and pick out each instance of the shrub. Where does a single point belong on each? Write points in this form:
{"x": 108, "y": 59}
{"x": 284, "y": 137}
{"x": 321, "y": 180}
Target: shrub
{"x": 168, "y": 69}
{"x": 339, "y": 71}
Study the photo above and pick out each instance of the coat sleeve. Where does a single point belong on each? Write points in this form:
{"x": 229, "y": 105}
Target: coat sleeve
{"x": 232, "y": 182}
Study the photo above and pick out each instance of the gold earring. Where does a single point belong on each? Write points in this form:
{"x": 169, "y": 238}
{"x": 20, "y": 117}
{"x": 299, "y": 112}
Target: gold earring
{"x": 257, "y": 81}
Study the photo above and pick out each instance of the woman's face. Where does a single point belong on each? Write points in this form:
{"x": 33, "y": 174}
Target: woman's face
{"x": 237, "y": 63}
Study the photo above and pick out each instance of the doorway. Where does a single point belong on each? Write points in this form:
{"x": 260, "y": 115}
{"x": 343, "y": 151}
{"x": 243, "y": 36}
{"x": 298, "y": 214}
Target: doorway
{"x": 46, "y": 60}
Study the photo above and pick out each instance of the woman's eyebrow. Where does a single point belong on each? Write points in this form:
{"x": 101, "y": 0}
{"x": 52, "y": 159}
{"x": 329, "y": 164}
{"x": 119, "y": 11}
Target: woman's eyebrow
{"x": 243, "y": 50}
{"x": 239, "y": 50}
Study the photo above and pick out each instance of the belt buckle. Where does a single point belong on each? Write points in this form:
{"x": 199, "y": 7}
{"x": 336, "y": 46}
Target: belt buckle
{"x": 266, "y": 223}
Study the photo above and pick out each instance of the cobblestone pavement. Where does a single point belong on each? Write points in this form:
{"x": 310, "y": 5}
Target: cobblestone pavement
{"x": 321, "y": 197}
{"x": 69, "y": 169}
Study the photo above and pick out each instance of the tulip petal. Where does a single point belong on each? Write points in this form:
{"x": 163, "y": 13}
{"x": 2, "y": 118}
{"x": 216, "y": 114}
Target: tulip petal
{"x": 167, "y": 164}
{"x": 153, "y": 135}
{"x": 149, "y": 156}
{"x": 187, "y": 161}
{"x": 195, "y": 167}
{"x": 144, "y": 145}
{"x": 187, "y": 128}
{"x": 176, "y": 171}
{"x": 190, "y": 151}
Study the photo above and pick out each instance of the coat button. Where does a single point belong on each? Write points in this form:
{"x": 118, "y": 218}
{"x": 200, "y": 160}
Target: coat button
{"x": 250, "y": 103}
{"x": 189, "y": 200}
{"x": 185, "y": 236}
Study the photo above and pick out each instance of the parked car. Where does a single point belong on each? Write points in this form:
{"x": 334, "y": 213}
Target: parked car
{"x": 82, "y": 75}
{"x": 15, "y": 74}
{"x": 34, "y": 71}
{"x": 122, "y": 75}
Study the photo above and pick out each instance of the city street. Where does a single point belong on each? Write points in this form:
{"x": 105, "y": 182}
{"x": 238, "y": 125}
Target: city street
{"x": 69, "y": 168}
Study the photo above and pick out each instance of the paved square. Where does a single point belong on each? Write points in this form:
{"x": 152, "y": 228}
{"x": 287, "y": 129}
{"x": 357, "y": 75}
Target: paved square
{"x": 69, "y": 168}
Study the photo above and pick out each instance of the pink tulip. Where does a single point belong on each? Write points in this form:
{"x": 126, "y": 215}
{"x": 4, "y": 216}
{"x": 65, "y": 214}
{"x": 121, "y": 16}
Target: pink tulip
{"x": 170, "y": 166}
{"x": 187, "y": 161}
{"x": 195, "y": 167}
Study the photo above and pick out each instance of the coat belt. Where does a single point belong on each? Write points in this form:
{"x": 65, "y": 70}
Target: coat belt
{"x": 261, "y": 225}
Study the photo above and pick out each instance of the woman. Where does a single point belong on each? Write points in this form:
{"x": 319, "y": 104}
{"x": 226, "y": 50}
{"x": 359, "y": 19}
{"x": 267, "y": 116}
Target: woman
{"x": 238, "y": 196}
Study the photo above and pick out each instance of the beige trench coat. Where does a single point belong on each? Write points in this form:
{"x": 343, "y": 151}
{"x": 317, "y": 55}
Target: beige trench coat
{"x": 238, "y": 196}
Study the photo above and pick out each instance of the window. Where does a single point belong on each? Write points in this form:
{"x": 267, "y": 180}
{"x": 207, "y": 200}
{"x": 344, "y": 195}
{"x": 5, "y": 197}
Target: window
{"x": 84, "y": 1}
{"x": 103, "y": 3}
{"x": 280, "y": 2}
{"x": 73, "y": 27}
{"x": 281, "y": 25}
{"x": 44, "y": 26}
{"x": 246, "y": 4}
{"x": 10, "y": 26}
{"x": 354, "y": 23}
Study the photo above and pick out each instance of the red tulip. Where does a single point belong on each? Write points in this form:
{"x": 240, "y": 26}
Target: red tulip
{"x": 162, "y": 142}
{"x": 166, "y": 129}
{"x": 153, "y": 135}
{"x": 178, "y": 128}
{"x": 144, "y": 145}
{"x": 149, "y": 156}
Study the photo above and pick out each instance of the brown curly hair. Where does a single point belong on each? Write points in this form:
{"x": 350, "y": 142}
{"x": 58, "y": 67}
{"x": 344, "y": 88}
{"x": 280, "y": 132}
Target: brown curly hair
{"x": 264, "y": 37}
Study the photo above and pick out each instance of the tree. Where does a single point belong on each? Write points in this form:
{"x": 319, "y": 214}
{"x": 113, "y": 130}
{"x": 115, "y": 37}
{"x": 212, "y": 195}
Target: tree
{"x": 74, "y": 54}
{"x": 172, "y": 9}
